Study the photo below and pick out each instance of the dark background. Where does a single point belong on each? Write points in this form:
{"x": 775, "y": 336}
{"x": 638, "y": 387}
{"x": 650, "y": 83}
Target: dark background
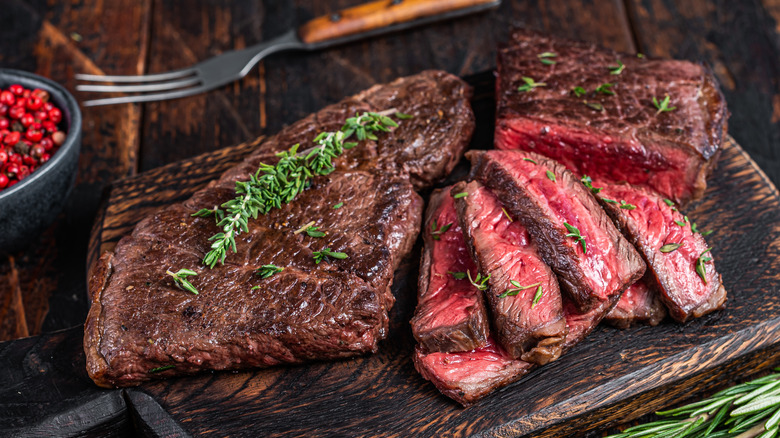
{"x": 44, "y": 287}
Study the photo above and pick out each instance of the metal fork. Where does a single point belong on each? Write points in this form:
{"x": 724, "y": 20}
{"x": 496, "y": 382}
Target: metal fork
{"x": 352, "y": 24}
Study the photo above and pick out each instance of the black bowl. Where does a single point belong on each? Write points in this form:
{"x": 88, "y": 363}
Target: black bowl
{"x": 32, "y": 204}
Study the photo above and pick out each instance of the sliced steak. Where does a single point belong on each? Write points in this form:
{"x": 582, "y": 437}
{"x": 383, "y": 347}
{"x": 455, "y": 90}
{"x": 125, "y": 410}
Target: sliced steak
{"x": 468, "y": 376}
{"x": 579, "y": 323}
{"x": 594, "y": 262}
{"x": 639, "y": 304}
{"x": 141, "y": 326}
{"x": 450, "y": 314}
{"x": 672, "y": 250}
{"x": 523, "y": 293}
{"x": 618, "y": 134}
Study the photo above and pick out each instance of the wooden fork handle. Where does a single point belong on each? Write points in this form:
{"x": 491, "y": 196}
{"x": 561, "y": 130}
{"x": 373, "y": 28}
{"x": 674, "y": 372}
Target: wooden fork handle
{"x": 378, "y": 14}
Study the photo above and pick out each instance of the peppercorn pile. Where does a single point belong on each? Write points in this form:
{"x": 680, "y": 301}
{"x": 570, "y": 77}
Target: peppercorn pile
{"x": 29, "y": 132}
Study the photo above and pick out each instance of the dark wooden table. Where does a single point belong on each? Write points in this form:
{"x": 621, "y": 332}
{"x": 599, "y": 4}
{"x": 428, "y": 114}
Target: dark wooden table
{"x": 43, "y": 288}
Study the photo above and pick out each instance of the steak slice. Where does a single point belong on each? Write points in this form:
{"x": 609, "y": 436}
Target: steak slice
{"x": 141, "y": 326}
{"x": 552, "y": 204}
{"x": 656, "y": 228}
{"x": 529, "y": 323}
{"x": 468, "y": 376}
{"x": 450, "y": 314}
{"x": 580, "y": 323}
{"x": 615, "y": 137}
{"x": 639, "y": 304}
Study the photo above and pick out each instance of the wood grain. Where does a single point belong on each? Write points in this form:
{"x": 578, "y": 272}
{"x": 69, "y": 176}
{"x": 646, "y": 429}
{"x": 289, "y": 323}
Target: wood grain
{"x": 612, "y": 376}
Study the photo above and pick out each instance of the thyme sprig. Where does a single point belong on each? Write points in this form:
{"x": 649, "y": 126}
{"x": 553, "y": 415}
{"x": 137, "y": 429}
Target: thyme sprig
{"x": 517, "y": 288}
{"x": 700, "y": 264}
{"x": 574, "y": 232}
{"x": 180, "y": 278}
{"x": 529, "y": 84}
{"x": 480, "y": 282}
{"x": 617, "y": 69}
{"x": 663, "y": 105}
{"x": 266, "y": 271}
{"x": 588, "y": 182}
{"x": 272, "y": 186}
{"x": 437, "y": 231}
{"x": 750, "y": 409}
{"x": 544, "y": 58}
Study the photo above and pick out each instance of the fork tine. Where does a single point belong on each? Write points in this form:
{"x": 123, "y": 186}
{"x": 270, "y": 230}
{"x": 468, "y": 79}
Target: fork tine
{"x": 175, "y": 74}
{"x": 148, "y": 97}
{"x": 162, "y": 86}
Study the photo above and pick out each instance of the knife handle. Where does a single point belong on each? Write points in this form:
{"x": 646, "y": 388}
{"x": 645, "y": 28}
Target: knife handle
{"x": 378, "y": 15}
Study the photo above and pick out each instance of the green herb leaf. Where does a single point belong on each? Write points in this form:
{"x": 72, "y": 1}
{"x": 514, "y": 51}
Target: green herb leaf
{"x": 588, "y": 182}
{"x": 579, "y": 91}
{"x": 707, "y": 233}
{"x": 180, "y": 279}
{"x": 162, "y": 368}
{"x": 529, "y": 160}
{"x": 480, "y": 282}
{"x": 669, "y": 247}
{"x": 255, "y": 287}
{"x": 605, "y": 89}
{"x": 550, "y": 176}
{"x": 537, "y": 296}
{"x": 544, "y": 58}
{"x": 669, "y": 202}
{"x": 663, "y": 105}
{"x": 339, "y": 205}
{"x": 617, "y": 69}
{"x": 313, "y": 231}
{"x": 594, "y": 105}
{"x": 694, "y": 228}
{"x": 205, "y": 212}
{"x": 457, "y": 275}
{"x": 700, "y": 264}
{"x": 640, "y": 55}
{"x": 517, "y": 288}
{"x": 529, "y": 85}
{"x": 266, "y": 271}
{"x": 401, "y": 116}
{"x": 574, "y": 232}
{"x": 611, "y": 201}
{"x": 437, "y": 232}
{"x": 272, "y": 186}
{"x": 326, "y": 253}
{"x": 626, "y": 206}
{"x": 680, "y": 223}
{"x": 460, "y": 195}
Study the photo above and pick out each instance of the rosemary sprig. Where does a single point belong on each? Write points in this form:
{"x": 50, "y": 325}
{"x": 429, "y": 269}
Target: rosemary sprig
{"x": 325, "y": 253}
{"x": 180, "y": 278}
{"x": 517, "y": 287}
{"x": 205, "y": 212}
{"x": 574, "y": 232}
{"x": 749, "y": 409}
{"x": 272, "y": 186}
{"x": 266, "y": 271}
{"x": 663, "y": 105}
{"x": 437, "y": 231}
{"x": 700, "y": 264}
{"x": 480, "y": 282}
{"x": 530, "y": 84}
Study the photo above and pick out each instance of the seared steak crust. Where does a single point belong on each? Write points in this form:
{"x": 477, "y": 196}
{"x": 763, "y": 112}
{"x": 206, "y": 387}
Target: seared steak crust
{"x": 618, "y": 137}
{"x": 639, "y": 304}
{"x": 450, "y": 314}
{"x": 140, "y": 321}
{"x": 544, "y": 196}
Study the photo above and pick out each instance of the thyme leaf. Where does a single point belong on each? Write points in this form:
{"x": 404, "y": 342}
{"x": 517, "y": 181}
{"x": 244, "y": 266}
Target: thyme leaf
{"x": 180, "y": 278}
{"x": 266, "y": 271}
{"x": 313, "y": 231}
{"x": 537, "y": 296}
{"x": 480, "y": 282}
{"x": 517, "y": 288}
{"x": 626, "y": 206}
{"x": 605, "y": 89}
{"x": 205, "y": 212}
{"x": 594, "y": 105}
{"x": 700, "y": 264}
{"x": 579, "y": 91}
{"x": 325, "y": 253}
{"x": 159, "y": 369}
{"x": 574, "y": 232}
{"x": 529, "y": 160}
{"x": 550, "y": 176}
{"x": 437, "y": 231}
{"x": 339, "y": 205}
{"x": 544, "y": 58}
{"x": 460, "y": 195}
{"x": 617, "y": 69}
{"x": 669, "y": 247}
{"x": 457, "y": 275}
{"x": 588, "y": 182}
{"x": 663, "y": 105}
{"x": 529, "y": 85}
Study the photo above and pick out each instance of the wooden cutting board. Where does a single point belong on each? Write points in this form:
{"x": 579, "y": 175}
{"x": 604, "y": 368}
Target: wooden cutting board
{"x": 612, "y": 376}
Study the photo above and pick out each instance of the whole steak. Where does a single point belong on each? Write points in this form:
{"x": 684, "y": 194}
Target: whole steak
{"x": 141, "y": 326}
{"x": 592, "y": 109}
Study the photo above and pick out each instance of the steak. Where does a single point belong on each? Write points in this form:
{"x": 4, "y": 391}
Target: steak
{"x": 468, "y": 376}
{"x": 450, "y": 314}
{"x": 523, "y": 293}
{"x": 141, "y": 326}
{"x": 594, "y": 262}
{"x": 580, "y": 323}
{"x": 639, "y": 304}
{"x": 618, "y": 133}
{"x": 671, "y": 248}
